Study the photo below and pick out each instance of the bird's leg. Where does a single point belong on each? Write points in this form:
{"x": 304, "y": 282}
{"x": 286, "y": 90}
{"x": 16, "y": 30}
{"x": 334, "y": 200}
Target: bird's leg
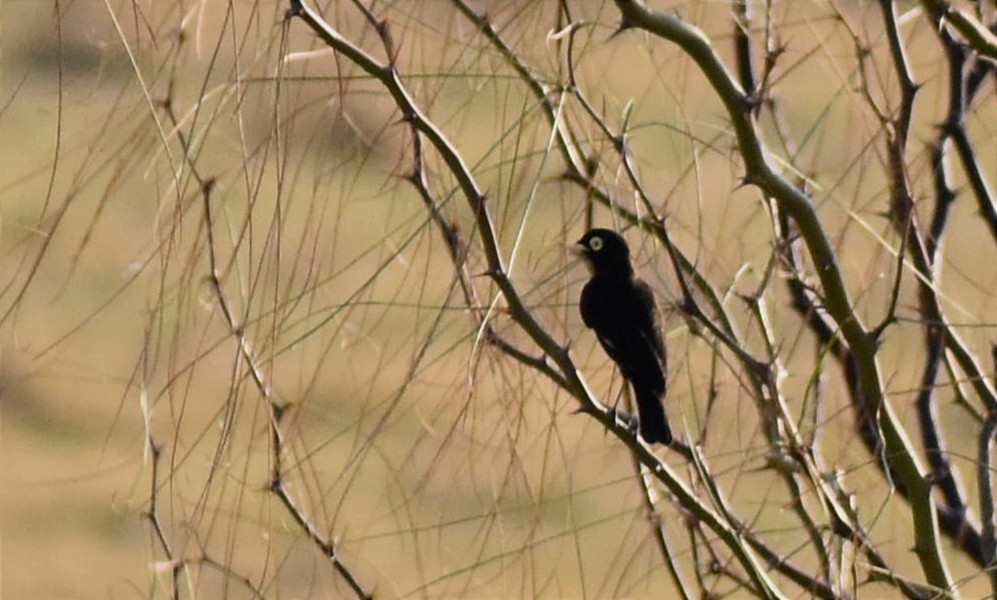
{"x": 624, "y": 416}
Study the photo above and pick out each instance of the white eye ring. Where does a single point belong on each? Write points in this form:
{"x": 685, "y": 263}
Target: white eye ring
{"x": 596, "y": 243}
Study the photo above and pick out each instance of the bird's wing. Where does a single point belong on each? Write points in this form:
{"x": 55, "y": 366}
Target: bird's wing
{"x": 648, "y": 354}
{"x": 645, "y": 310}
{"x": 625, "y": 321}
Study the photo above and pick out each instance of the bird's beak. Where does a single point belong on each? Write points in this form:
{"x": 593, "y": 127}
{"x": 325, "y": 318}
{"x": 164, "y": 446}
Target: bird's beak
{"x": 581, "y": 251}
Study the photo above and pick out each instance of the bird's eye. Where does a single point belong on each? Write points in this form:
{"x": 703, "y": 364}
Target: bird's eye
{"x": 596, "y": 243}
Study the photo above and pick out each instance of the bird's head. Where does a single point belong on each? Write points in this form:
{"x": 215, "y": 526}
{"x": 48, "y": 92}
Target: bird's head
{"x": 605, "y": 252}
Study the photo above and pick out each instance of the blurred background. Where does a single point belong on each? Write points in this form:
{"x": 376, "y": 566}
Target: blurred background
{"x": 135, "y": 419}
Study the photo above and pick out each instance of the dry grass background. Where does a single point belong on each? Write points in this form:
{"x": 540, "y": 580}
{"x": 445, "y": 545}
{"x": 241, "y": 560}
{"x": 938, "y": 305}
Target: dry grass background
{"x": 440, "y": 467}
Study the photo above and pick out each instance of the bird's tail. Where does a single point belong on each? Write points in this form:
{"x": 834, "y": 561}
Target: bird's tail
{"x": 651, "y": 417}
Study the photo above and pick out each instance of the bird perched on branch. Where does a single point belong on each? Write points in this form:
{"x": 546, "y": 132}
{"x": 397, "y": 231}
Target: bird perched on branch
{"x": 620, "y": 308}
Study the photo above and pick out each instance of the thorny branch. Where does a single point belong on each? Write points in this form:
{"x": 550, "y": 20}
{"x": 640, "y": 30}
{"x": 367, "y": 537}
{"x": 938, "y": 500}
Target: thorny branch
{"x": 825, "y": 307}
{"x": 389, "y": 77}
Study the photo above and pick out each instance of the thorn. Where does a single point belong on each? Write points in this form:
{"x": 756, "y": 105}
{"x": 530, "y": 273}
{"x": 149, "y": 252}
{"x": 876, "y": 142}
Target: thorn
{"x": 778, "y": 51}
{"x": 750, "y": 179}
{"x": 295, "y": 10}
{"x": 556, "y": 36}
{"x": 591, "y": 166}
{"x": 749, "y": 299}
{"x": 752, "y": 100}
{"x": 619, "y": 143}
{"x": 624, "y": 26}
{"x": 569, "y": 175}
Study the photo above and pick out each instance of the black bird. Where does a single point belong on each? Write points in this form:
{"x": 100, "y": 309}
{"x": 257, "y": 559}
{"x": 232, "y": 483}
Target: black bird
{"x": 620, "y": 308}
